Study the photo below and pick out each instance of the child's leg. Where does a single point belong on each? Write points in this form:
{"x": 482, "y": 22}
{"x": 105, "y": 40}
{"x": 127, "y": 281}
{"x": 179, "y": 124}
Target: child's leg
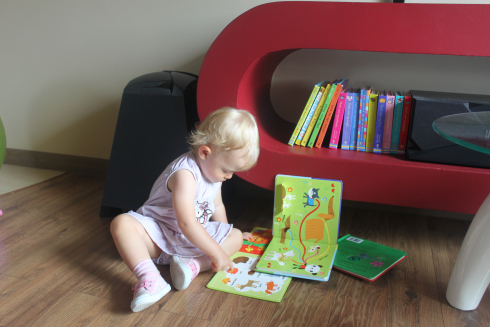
{"x": 132, "y": 241}
{"x": 230, "y": 245}
{"x": 136, "y": 249}
{"x": 183, "y": 270}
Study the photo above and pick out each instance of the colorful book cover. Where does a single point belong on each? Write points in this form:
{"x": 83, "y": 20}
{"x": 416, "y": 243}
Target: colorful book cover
{"x": 310, "y": 115}
{"x": 363, "y": 114}
{"x": 329, "y": 114}
{"x": 388, "y": 128}
{"x": 397, "y": 122}
{"x": 380, "y": 122}
{"x": 306, "y": 110}
{"x": 346, "y": 128}
{"x": 325, "y": 91}
{"x": 355, "y": 120}
{"x": 371, "y": 120}
{"x": 407, "y": 108}
{"x": 365, "y": 259}
{"x": 305, "y": 228}
{"x": 323, "y": 112}
{"x": 337, "y": 122}
{"x": 243, "y": 279}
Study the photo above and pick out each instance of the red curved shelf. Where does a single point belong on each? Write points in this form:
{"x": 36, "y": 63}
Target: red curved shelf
{"x": 238, "y": 68}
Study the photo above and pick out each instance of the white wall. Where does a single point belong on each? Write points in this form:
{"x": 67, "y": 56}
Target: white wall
{"x": 64, "y": 64}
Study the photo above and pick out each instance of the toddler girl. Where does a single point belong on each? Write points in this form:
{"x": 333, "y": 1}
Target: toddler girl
{"x": 184, "y": 223}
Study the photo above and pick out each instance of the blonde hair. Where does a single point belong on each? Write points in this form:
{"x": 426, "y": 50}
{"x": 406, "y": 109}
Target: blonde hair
{"x": 228, "y": 129}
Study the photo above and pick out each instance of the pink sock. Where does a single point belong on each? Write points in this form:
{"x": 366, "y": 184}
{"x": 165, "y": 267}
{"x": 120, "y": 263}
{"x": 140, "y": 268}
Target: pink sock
{"x": 204, "y": 262}
{"x": 145, "y": 268}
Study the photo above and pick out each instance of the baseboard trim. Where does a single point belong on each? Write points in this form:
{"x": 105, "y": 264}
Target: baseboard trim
{"x": 54, "y": 161}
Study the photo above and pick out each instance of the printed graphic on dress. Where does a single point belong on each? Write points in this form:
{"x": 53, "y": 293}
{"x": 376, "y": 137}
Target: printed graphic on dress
{"x": 203, "y": 212}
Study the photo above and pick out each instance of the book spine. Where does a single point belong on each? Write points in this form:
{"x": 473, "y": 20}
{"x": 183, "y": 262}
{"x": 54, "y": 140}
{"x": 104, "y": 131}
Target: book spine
{"x": 343, "y": 238}
{"x": 407, "y": 108}
{"x": 328, "y": 116}
{"x": 361, "y": 136}
{"x": 302, "y": 119}
{"x": 321, "y": 117}
{"x": 397, "y": 121}
{"x": 380, "y": 122}
{"x": 355, "y": 120}
{"x": 365, "y": 116}
{"x": 302, "y": 133}
{"x": 337, "y": 122}
{"x": 346, "y": 128}
{"x": 324, "y": 92}
{"x": 371, "y": 121}
{"x": 390, "y": 107}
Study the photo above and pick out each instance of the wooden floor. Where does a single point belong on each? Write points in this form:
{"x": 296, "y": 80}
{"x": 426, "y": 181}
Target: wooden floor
{"x": 59, "y": 267}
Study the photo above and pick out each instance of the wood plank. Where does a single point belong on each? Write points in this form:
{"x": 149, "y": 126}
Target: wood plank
{"x": 167, "y": 319}
{"x": 9, "y": 285}
{"x": 357, "y": 302}
{"x": 119, "y": 314}
{"x": 197, "y": 300}
{"x": 413, "y": 293}
{"x": 71, "y": 309}
{"x": 244, "y": 311}
{"x": 23, "y": 306}
{"x": 306, "y": 301}
{"x": 56, "y": 237}
{"x": 28, "y": 210}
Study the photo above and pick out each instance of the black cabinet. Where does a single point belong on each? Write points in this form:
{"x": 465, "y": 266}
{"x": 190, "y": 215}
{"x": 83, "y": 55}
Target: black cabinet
{"x": 157, "y": 112}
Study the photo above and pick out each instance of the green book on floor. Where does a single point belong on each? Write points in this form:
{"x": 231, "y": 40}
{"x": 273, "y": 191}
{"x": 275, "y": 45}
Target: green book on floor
{"x": 243, "y": 279}
{"x": 365, "y": 259}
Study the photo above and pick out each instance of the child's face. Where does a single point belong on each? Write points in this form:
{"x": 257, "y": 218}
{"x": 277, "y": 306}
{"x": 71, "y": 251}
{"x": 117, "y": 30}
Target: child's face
{"x": 219, "y": 166}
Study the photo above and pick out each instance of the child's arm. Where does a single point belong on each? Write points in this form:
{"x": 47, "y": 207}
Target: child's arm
{"x": 220, "y": 213}
{"x": 183, "y": 187}
{"x": 219, "y": 209}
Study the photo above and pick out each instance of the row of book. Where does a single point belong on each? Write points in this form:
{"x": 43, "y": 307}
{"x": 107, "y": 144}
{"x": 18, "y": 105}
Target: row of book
{"x": 359, "y": 119}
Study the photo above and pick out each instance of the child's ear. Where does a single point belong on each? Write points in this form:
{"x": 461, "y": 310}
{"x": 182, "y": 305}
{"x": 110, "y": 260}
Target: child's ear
{"x": 204, "y": 151}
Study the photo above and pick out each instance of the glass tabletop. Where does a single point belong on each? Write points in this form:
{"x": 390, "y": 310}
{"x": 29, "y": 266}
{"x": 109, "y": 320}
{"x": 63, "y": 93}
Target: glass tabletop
{"x": 470, "y": 129}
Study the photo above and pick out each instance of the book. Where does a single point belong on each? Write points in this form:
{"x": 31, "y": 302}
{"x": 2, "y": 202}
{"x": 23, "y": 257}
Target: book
{"x": 306, "y": 110}
{"x": 305, "y": 228}
{"x": 397, "y": 122}
{"x": 310, "y": 115}
{"x": 363, "y": 113}
{"x": 321, "y": 117}
{"x": 324, "y": 90}
{"x": 407, "y": 108}
{"x": 329, "y": 114}
{"x": 380, "y": 122}
{"x": 323, "y": 112}
{"x": 371, "y": 120}
{"x": 388, "y": 128}
{"x": 365, "y": 259}
{"x": 337, "y": 122}
{"x": 355, "y": 120}
{"x": 346, "y": 127}
{"x": 243, "y": 279}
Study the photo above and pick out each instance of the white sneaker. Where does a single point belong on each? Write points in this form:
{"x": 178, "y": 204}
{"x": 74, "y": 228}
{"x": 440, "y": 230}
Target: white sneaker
{"x": 183, "y": 273}
{"x": 148, "y": 291}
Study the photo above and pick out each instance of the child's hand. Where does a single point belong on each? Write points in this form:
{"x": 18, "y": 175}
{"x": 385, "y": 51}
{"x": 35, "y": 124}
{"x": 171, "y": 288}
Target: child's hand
{"x": 221, "y": 262}
{"x": 246, "y": 236}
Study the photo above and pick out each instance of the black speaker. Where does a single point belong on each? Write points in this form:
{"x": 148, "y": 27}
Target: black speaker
{"x": 157, "y": 112}
{"x": 424, "y": 144}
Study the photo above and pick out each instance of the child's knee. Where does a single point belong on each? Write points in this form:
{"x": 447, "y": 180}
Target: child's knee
{"x": 121, "y": 224}
{"x": 236, "y": 236}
